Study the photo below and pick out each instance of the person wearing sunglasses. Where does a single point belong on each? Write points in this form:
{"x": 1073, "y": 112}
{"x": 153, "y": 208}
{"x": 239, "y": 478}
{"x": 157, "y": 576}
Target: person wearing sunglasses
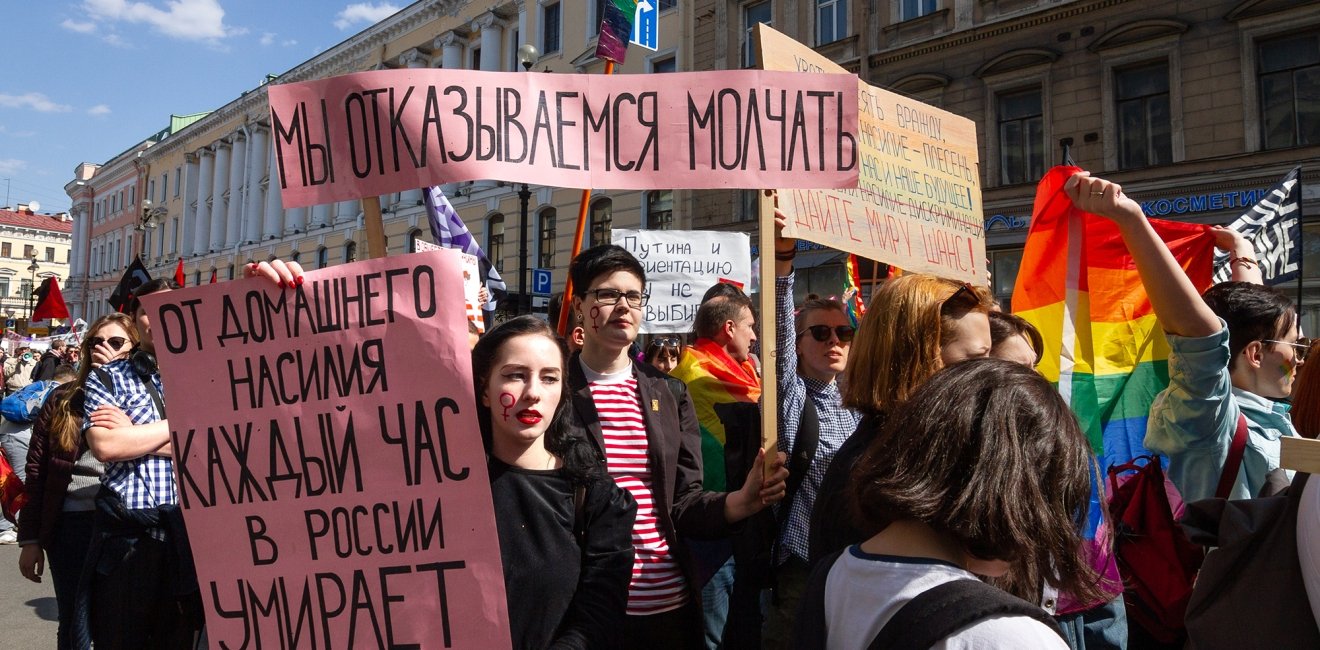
{"x": 1234, "y": 353}
{"x": 663, "y": 353}
{"x": 55, "y": 525}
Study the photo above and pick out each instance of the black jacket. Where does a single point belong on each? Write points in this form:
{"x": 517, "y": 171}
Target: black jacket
{"x": 45, "y": 368}
{"x": 682, "y": 506}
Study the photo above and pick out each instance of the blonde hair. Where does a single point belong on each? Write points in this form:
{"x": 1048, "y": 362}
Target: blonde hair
{"x": 897, "y": 347}
{"x": 66, "y": 422}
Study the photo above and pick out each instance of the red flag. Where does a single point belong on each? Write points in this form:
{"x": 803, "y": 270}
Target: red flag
{"x": 50, "y": 304}
{"x": 12, "y": 495}
{"x": 212, "y": 276}
{"x": 178, "y": 273}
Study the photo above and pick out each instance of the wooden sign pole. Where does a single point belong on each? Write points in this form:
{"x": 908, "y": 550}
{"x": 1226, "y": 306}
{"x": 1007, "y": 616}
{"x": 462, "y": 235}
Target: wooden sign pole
{"x": 769, "y": 347}
{"x": 375, "y": 227}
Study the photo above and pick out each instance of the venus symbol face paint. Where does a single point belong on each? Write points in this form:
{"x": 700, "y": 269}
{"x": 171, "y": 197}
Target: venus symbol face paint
{"x": 507, "y": 401}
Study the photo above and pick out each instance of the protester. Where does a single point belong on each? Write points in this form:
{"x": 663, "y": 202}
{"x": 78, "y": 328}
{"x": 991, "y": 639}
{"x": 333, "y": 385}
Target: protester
{"x": 915, "y": 325}
{"x": 18, "y": 370}
{"x": 725, "y": 389}
{"x": 18, "y": 411}
{"x": 50, "y": 359}
{"x": 63, "y": 477}
{"x": 663, "y": 352}
{"x": 140, "y": 589}
{"x": 984, "y": 467}
{"x": 565, "y": 528}
{"x": 813, "y": 351}
{"x": 643, "y": 423}
{"x": 1012, "y": 338}
{"x": 1306, "y": 398}
{"x": 1234, "y": 352}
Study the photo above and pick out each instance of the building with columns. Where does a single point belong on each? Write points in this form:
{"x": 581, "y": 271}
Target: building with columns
{"x": 208, "y": 182}
{"x": 33, "y": 247}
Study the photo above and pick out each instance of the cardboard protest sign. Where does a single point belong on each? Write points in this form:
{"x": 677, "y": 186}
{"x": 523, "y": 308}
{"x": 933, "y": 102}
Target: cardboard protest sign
{"x": 917, "y": 204}
{"x": 372, "y": 133}
{"x": 680, "y": 266}
{"x": 328, "y": 460}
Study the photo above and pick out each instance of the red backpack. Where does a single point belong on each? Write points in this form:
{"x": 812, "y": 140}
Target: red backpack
{"x": 1156, "y": 559}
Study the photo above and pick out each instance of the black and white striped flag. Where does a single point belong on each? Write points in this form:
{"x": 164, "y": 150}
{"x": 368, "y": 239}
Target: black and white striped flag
{"x": 1273, "y": 226}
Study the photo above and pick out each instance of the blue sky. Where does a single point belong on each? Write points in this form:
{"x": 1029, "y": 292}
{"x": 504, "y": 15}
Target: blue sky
{"x": 83, "y": 80}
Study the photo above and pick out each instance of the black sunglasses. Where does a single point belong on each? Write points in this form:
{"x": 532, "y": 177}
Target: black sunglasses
{"x": 115, "y": 342}
{"x": 665, "y": 342}
{"x": 822, "y": 332}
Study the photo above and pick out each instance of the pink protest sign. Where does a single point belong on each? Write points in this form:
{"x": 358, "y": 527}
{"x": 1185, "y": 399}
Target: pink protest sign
{"x": 371, "y": 133}
{"x": 328, "y": 458}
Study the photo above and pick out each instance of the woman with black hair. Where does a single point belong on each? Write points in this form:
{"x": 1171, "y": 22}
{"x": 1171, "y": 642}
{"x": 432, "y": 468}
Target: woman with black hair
{"x": 565, "y": 528}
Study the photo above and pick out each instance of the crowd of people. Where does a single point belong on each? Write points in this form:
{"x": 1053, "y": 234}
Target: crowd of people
{"x": 929, "y": 489}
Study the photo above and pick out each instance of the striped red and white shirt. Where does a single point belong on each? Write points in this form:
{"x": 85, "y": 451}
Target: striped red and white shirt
{"x": 657, "y": 583}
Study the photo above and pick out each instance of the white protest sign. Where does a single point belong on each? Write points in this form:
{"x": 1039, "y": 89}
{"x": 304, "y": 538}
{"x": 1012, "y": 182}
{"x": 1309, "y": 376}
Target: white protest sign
{"x": 471, "y": 284}
{"x": 680, "y": 266}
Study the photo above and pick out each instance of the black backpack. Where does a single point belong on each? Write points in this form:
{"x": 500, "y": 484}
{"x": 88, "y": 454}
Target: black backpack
{"x": 933, "y": 615}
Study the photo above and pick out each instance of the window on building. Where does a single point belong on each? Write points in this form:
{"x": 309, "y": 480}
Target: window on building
{"x": 1289, "y": 83}
{"x": 132, "y": 195}
{"x": 4, "y": 287}
{"x": 753, "y": 13}
{"x": 232, "y": 270}
{"x": 6, "y": 249}
{"x": 545, "y": 225}
{"x": 350, "y": 252}
{"x": 178, "y": 178}
{"x": 414, "y": 236}
{"x": 50, "y": 253}
{"x": 476, "y": 58}
{"x": 174, "y": 237}
{"x": 1021, "y": 136}
{"x": 146, "y": 241}
{"x": 831, "y": 20}
{"x": 151, "y": 189}
{"x": 1004, "y": 266}
{"x": 296, "y": 255}
{"x": 749, "y": 205}
{"x": 24, "y": 289}
{"x": 917, "y": 8}
{"x": 666, "y": 5}
{"x": 660, "y": 210}
{"x": 197, "y": 278}
{"x": 495, "y": 241}
{"x": 550, "y": 35}
{"x": 322, "y": 257}
{"x": 29, "y": 251}
{"x": 164, "y": 186}
{"x": 602, "y": 219}
{"x": 667, "y": 64}
{"x": 1142, "y": 115}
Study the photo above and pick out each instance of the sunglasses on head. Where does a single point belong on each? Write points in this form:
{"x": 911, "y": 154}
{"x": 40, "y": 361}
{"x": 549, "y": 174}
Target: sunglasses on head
{"x": 665, "y": 342}
{"x": 115, "y": 342}
{"x": 822, "y": 332}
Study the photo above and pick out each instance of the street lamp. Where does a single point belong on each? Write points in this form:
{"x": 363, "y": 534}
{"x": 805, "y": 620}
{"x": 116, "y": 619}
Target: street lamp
{"x": 527, "y": 55}
{"x": 32, "y": 288}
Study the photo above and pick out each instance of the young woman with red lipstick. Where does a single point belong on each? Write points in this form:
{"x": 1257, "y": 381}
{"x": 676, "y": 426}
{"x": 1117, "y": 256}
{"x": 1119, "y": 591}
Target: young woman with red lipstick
{"x": 565, "y": 528}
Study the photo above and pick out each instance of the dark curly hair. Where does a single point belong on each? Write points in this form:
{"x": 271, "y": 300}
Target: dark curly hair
{"x": 987, "y": 454}
{"x": 576, "y": 452}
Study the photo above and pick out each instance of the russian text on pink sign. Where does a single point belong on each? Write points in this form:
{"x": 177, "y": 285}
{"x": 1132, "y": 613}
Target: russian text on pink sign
{"x": 334, "y": 462}
{"x": 386, "y": 131}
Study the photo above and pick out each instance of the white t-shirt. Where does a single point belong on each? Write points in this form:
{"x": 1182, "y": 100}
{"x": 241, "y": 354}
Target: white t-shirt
{"x": 864, "y": 591}
{"x": 1308, "y": 542}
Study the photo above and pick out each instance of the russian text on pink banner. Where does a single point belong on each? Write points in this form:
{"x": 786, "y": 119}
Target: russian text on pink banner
{"x": 328, "y": 459}
{"x": 372, "y": 133}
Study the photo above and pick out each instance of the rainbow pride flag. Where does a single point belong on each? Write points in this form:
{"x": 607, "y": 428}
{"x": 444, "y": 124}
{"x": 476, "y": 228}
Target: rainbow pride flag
{"x": 1104, "y": 349}
{"x": 852, "y": 293}
{"x": 713, "y": 377}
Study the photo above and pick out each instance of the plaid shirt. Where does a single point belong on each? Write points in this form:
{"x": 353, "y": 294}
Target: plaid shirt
{"x": 146, "y": 481}
{"x": 836, "y": 423}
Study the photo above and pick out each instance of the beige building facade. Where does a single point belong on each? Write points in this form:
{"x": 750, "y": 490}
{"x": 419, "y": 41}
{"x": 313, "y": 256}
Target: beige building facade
{"x": 1196, "y": 107}
{"x": 211, "y": 202}
{"x": 33, "y": 247}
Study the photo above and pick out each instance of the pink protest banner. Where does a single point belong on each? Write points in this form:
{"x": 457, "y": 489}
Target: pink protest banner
{"x": 372, "y": 133}
{"x": 332, "y": 478}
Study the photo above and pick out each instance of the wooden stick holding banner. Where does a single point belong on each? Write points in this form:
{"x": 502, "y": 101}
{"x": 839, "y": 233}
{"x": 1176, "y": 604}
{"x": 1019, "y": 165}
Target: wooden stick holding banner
{"x": 566, "y": 304}
{"x": 375, "y": 227}
{"x": 769, "y": 346}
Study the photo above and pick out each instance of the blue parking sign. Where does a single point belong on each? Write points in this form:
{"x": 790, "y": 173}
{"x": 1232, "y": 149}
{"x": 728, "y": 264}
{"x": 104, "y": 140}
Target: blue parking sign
{"x": 540, "y": 282}
{"x": 646, "y": 24}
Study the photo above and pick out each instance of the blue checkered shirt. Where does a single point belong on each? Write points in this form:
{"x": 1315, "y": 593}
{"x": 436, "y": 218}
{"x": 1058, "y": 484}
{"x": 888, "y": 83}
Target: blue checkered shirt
{"x": 837, "y": 423}
{"x": 147, "y": 481}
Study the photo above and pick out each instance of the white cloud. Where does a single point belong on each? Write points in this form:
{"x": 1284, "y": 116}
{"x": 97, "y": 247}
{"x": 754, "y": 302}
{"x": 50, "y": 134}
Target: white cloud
{"x": 116, "y": 41}
{"x": 80, "y": 27}
{"x": 289, "y": 43}
{"x": 99, "y": 110}
{"x": 35, "y": 101}
{"x": 267, "y": 38}
{"x": 189, "y": 20}
{"x": 364, "y": 12}
{"x": 11, "y": 165}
